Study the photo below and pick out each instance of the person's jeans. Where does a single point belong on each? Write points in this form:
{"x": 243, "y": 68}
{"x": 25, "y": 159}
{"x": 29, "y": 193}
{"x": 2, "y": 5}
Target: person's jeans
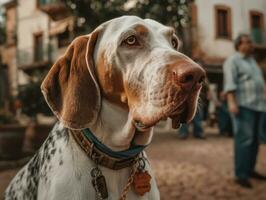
{"x": 246, "y": 128}
{"x": 263, "y": 130}
{"x": 197, "y": 127}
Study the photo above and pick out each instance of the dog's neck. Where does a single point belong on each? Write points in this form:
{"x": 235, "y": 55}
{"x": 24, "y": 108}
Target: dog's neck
{"x": 115, "y": 129}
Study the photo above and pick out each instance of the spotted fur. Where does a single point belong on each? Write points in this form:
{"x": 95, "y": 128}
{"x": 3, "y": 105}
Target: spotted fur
{"x": 25, "y": 183}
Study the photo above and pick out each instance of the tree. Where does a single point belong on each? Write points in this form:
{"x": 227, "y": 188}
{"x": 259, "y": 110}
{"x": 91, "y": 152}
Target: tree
{"x": 94, "y": 12}
{"x": 170, "y": 12}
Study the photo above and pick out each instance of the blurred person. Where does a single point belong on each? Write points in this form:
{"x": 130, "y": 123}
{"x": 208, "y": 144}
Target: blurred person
{"x": 213, "y": 102}
{"x": 224, "y": 119}
{"x": 244, "y": 87}
{"x": 197, "y": 127}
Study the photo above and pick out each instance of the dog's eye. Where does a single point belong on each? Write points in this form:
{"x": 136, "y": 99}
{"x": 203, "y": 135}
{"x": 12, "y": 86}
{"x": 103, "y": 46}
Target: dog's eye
{"x": 132, "y": 41}
{"x": 174, "y": 43}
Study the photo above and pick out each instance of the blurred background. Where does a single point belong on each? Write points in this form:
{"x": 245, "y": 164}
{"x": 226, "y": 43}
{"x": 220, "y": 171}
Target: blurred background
{"x": 35, "y": 33}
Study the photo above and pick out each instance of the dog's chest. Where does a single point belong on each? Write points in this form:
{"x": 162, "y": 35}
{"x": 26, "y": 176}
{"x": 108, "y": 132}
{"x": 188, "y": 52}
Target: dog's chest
{"x": 61, "y": 170}
{"x": 73, "y": 179}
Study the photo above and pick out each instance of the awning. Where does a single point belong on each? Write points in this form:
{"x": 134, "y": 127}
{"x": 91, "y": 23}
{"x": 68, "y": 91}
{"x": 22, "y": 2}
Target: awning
{"x": 61, "y": 26}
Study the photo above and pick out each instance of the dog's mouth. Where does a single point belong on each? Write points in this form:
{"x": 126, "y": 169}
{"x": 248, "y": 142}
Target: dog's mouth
{"x": 178, "y": 117}
{"x": 181, "y": 113}
{"x": 185, "y": 115}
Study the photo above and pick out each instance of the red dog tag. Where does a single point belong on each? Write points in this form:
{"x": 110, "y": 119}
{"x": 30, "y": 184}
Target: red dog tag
{"x": 142, "y": 182}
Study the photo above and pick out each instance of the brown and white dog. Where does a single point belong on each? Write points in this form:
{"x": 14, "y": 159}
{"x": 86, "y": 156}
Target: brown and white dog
{"x": 118, "y": 81}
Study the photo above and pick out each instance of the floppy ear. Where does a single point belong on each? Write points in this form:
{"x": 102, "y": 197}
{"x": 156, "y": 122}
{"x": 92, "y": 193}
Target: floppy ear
{"x": 70, "y": 87}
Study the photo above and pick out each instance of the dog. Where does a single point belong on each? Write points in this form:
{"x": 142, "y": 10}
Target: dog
{"x": 108, "y": 91}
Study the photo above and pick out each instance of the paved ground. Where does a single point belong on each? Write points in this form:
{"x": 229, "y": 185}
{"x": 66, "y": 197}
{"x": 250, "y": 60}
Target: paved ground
{"x": 193, "y": 169}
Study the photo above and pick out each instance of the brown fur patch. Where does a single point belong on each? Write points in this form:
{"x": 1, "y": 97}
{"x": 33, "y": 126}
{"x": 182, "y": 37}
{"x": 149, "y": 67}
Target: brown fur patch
{"x": 133, "y": 93}
{"x": 141, "y": 29}
{"x": 111, "y": 82}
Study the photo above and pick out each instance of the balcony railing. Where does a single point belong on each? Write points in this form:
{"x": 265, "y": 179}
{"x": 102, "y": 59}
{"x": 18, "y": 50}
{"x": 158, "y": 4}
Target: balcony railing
{"x": 258, "y": 36}
{"x": 29, "y": 58}
{"x": 56, "y": 9}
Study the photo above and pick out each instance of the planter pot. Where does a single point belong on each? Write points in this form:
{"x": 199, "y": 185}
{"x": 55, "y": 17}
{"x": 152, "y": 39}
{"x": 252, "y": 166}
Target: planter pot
{"x": 11, "y": 141}
{"x": 36, "y": 135}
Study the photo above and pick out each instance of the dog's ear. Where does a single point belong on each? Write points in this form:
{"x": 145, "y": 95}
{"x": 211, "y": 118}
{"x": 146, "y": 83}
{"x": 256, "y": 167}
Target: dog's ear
{"x": 70, "y": 87}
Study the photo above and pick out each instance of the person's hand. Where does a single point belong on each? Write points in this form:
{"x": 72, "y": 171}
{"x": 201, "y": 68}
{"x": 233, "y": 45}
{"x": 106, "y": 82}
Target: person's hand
{"x": 233, "y": 108}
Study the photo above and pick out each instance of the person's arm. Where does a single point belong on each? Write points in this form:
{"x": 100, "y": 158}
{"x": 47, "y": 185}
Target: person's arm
{"x": 232, "y": 103}
{"x": 230, "y": 86}
{"x": 264, "y": 90}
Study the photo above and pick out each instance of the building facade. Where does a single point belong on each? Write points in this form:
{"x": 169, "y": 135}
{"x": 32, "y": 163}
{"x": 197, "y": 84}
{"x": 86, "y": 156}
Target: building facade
{"x": 37, "y": 33}
{"x": 220, "y": 21}
{"x": 9, "y": 48}
{"x": 215, "y": 25}
{"x": 32, "y": 38}
{"x": 37, "y": 38}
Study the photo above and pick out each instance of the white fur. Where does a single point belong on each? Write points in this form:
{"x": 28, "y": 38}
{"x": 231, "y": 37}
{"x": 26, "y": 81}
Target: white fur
{"x": 72, "y": 181}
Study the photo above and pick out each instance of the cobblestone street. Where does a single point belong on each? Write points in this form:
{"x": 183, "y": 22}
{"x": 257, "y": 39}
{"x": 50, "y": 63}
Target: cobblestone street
{"x": 200, "y": 169}
{"x": 193, "y": 169}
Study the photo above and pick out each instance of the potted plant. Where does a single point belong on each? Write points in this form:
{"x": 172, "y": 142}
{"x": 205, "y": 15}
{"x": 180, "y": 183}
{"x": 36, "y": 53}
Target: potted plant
{"x": 12, "y": 136}
{"x": 33, "y": 104}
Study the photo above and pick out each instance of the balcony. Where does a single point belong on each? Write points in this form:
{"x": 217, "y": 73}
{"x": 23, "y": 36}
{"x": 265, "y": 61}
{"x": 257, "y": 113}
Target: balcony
{"x": 259, "y": 37}
{"x": 56, "y": 9}
{"x": 29, "y": 59}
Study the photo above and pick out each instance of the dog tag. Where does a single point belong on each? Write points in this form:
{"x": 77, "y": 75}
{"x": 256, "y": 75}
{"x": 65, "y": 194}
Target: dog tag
{"x": 99, "y": 185}
{"x": 141, "y": 182}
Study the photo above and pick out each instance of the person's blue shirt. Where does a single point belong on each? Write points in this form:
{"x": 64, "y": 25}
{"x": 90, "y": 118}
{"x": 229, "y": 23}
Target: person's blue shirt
{"x": 243, "y": 76}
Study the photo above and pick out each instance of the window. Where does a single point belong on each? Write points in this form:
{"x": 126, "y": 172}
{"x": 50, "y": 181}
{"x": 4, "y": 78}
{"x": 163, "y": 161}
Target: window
{"x": 223, "y": 22}
{"x": 256, "y": 25}
{"x": 38, "y": 47}
{"x": 256, "y": 21}
{"x": 3, "y": 85}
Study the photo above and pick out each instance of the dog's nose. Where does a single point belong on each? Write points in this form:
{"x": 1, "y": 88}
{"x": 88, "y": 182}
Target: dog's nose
{"x": 189, "y": 76}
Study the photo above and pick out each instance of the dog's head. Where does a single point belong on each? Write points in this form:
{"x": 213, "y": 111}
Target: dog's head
{"x": 131, "y": 62}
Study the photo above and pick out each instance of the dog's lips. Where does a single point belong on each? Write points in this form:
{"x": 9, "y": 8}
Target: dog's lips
{"x": 179, "y": 119}
{"x": 141, "y": 127}
{"x": 181, "y": 112}
{"x": 177, "y": 114}
{"x": 188, "y": 111}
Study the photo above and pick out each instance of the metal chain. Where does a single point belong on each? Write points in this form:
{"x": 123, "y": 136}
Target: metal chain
{"x": 138, "y": 165}
{"x": 129, "y": 182}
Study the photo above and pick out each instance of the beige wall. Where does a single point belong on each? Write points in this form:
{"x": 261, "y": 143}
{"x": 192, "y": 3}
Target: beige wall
{"x": 222, "y": 48}
{"x": 31, "y": 21}
{"x": 11, "y": 25}
{"x": 9, "y": 58}
{"x": 9, "y": 51}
